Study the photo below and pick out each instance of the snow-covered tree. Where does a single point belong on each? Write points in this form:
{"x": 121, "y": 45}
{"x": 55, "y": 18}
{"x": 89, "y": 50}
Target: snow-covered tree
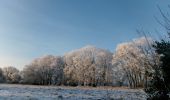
{"x": 88, "y": 66}
{"x": 11, "y": 74}
{"x": 135, "y": 59}
{"x": 45, "y": 71}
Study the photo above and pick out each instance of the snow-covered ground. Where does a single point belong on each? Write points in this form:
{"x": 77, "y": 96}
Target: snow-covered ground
{"x": 32, "y": 92}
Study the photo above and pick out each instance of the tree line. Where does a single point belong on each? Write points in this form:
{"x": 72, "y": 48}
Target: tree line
{"x": 129, "y": 66}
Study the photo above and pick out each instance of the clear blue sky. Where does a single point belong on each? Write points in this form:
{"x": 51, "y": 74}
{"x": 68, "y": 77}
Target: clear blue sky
{"x": 32, "y": 28}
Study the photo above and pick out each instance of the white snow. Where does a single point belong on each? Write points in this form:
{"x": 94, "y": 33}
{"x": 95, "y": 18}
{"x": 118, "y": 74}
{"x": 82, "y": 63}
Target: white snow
{"x": 33, "y": 92}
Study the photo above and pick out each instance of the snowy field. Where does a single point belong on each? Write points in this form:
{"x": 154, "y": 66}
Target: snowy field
{"x": 31, "y": 92}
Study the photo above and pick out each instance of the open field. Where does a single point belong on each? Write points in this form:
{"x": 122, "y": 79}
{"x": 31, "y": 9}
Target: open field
{"x": 31, "y": 92}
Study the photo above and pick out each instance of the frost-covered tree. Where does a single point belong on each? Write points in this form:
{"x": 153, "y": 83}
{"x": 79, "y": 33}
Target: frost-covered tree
{"x": 88, "y": 66}
{"x": 135, "y": 59}
{"x": 44, "y": 71}
{"x": 11, "y": 74}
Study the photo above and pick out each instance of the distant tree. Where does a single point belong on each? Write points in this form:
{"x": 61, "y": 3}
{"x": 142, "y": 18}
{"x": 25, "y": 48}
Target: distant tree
{"x": 46, "y": 70}
{"x": 2, "y": 78}
{"x": 11, "y": 74}
{"x": 88, "y": 66}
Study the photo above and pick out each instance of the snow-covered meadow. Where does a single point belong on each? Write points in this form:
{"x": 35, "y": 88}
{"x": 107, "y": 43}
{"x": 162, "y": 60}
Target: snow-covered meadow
{"x": 32, "y": 92}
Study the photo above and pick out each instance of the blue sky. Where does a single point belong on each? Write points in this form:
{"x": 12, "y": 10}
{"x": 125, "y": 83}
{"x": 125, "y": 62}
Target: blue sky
{"x": 33, "y": 28}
